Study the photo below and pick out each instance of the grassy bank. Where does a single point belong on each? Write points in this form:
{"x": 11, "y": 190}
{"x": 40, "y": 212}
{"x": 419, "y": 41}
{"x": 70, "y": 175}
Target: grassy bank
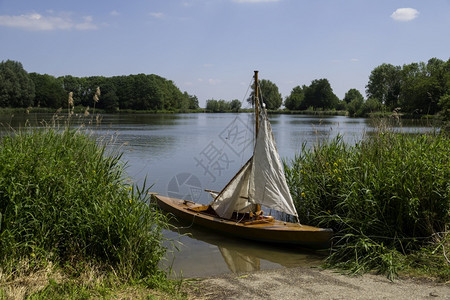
{"x": 387, "y": 199}
{"x": 66, "y": 207}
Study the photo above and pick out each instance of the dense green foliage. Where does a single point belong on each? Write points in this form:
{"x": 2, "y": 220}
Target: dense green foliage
{"x": 16, "y": 86}
{"x": 137, "y": 92}
{"x": 353, "y": 94}
{"x": 416, "y": 88}
{"x": 49, "y": 91}
{"x": 268, "y": 94}
{"x": 64, "y": 199}
{"x": 223, "y": 106}
{"x": 384, "y": 85}
{"x": 318, "y": 95}
{"x": 386, "y": 198}
{"x": 295, "y": 100}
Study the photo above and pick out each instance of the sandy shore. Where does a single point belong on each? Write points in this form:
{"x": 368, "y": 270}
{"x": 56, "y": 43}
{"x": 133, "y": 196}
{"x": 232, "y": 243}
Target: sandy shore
{"x": 312, "y": 283}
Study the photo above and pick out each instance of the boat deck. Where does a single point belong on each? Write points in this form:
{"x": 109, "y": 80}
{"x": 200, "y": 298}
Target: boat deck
{"x": 275, "y": 231}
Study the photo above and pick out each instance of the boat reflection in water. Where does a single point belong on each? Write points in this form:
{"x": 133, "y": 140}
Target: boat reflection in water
{"x": 202, "y": 252}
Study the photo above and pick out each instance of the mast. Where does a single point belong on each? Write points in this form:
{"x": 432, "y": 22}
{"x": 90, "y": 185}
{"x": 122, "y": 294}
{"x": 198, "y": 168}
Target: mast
{"x": 256, "y": 104}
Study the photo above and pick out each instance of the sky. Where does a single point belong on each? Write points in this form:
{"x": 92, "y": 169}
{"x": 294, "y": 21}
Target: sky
{"x": 210, "y": 48}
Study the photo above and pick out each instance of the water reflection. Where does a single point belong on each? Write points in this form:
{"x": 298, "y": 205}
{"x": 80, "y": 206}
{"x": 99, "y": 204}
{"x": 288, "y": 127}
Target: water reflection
{"x": 226, "y": 254}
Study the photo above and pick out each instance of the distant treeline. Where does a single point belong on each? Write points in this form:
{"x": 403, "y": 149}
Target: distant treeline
{"x": 137, "y": 92}
{"x": 413, "y": 89}
{"x": 416, "y": 88}
{"x": 223, "y": 106}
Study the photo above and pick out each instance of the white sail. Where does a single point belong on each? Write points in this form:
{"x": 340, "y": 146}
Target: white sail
{"x": 268, "y": 185}
{"x": 260, "y": 181}
{"x": 234, "y": 197}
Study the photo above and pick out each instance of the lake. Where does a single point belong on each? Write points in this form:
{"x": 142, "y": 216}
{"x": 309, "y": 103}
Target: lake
{"x": 180, "y": 155}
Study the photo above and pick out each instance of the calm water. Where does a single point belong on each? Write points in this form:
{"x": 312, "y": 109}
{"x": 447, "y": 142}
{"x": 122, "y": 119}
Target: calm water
{"x": 182, "y": 154}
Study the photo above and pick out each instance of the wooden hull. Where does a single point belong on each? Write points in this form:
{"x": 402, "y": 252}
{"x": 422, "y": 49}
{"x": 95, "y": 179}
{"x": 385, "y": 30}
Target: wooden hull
{"x": 273, "y": 232}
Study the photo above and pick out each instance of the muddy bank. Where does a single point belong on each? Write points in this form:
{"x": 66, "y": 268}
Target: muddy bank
{"x": 312, "y": 283}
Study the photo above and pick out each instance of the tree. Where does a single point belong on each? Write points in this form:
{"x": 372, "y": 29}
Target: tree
{"x": 140, "y": 92}
{"x": 193, "y": 101}
{"x": 235, "y": 105}
{"x": 16, "y": 86}
{"x": 212, "y": 105}
{"x": 353, "y": 94}
{"x": 423, "y": 85}
{"x": 49, "y": 91}
{"x": 320, "y": 95}
{"x": 354, "y": 102}
{"x": 370, "y": 106}
{"x": 223, "y": 105}
{"x": 268, "y": 94}
{"x": 295, "y": 101}
{"x": 444, "y": 104}
{"x": 354, "y": 107}
{"x": 75, "y": 85}
{"x": 384, "y": 84}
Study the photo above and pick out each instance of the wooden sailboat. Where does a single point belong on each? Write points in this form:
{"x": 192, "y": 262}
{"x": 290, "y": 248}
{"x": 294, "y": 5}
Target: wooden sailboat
{"x": 236, "y": 210}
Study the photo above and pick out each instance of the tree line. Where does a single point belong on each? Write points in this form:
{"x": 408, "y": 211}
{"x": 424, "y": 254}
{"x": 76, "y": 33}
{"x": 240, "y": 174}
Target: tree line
{"x": 416, "y": 88}
{"x": 221, "y": 105}
{"x": 137, "y": 92}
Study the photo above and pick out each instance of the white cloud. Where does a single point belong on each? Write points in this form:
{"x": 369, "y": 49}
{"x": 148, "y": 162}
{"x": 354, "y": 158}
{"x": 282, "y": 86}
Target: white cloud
{"x": 212, "y": 81}
{"x": 255, "y": 1}
{"x": 209, "y": 81}
{"x": 114, "y": 13}
{"x": 354, "y": 59}
{"x": 38, "y": 22}
{"x": 158, "y": 15}
{"x": 86, "y": 25}
{"x": 405, "y": 14}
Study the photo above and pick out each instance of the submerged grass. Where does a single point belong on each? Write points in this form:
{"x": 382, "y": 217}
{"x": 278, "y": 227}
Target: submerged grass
{"x": 65, "y": 202}
{"x": 387, "y": 199}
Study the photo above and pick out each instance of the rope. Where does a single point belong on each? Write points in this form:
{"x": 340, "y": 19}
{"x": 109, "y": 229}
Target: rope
{"x": 187, "y": 227}
{"x": 239, "y": 221}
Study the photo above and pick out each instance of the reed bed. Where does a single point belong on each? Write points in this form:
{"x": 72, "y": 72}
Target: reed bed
{"x": 387, "y": 198}
{"x": 64, "y": 199}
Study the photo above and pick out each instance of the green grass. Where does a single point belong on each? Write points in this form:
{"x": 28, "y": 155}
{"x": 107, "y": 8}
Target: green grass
{"x": 387, "y": 199}
{"x": 64, "y": 200}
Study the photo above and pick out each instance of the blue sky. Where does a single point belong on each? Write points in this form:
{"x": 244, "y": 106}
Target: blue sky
{"x": 210, "y": 48}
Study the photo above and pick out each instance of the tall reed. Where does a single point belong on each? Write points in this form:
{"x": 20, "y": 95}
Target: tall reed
{"x": 386, "y": 197}
{"x": 63, "y": 198}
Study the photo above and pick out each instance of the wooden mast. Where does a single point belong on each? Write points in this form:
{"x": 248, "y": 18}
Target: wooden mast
{"x": 258, "y": 211}
{"x": 256, "y": 104}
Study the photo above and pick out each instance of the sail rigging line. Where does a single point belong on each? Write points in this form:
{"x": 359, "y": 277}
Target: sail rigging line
{"x": 232, "y": 179}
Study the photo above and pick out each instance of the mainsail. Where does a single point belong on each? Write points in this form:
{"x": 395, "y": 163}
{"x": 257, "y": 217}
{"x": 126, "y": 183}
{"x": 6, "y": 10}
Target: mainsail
{"x": 260, "y": 181}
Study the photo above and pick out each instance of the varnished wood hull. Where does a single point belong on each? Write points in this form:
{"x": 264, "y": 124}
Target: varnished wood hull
{"x": 273, "y": 232}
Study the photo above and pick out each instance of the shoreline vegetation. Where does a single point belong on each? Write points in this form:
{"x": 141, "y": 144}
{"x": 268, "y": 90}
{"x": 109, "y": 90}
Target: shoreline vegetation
{"x": 72, "y": 226}
{"x": 387, "y": 198}
{"x": 312, "y": 112}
